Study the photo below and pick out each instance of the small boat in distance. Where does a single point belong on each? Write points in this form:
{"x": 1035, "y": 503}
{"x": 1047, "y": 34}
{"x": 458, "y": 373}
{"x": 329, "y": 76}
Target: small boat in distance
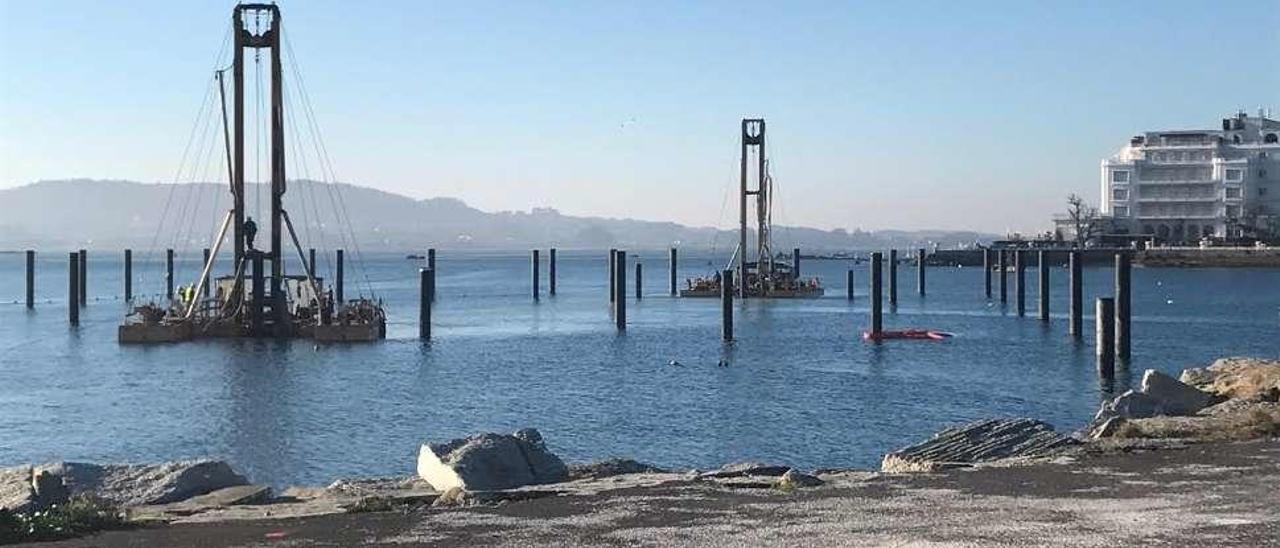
{"x": 415, "y": 257}
{"x": 762, "y": 276}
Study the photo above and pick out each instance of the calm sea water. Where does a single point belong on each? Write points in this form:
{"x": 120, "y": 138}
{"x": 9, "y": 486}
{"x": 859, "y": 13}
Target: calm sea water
{"x": 802, "y": 387}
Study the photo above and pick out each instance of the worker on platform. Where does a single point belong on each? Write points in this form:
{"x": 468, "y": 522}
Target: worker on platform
{"x": 250, "y": 230}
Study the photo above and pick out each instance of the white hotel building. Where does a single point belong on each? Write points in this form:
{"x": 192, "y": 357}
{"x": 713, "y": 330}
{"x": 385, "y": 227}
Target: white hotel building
{"x": 1182, "y": 185}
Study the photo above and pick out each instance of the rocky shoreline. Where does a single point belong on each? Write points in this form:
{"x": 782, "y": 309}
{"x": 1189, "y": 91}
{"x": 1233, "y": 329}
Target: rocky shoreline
{"x": 1233, "y": 399}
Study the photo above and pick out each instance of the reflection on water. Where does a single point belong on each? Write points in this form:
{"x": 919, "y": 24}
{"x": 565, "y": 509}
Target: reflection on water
{"x": 799, "y": 384}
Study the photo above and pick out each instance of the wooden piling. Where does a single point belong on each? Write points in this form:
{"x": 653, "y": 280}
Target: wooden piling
{"x": 168, "y": 274}
{"x": 876, "y": 323}
{"x": 671, "y": 265}
{"x": 1004, "y": 287}
{"x": 1105, "y": 337}
{"x": 1042, "y": 294}
{"x": 338, "y": 273}
{"x": 726, "y": 304}
{"x": 73, "y": 289}
{"x": 639, "y": 277}
{"x": 848, "y": 284}
{"x": 426, "y": 281}
{"x": 1123, "y": 304}
{"x": 128, "y": 275}
{"x": 311, "y": 262}
{"x": 795, "y": 263}
{"x": 986, "y": 271}
{"x": 1020, "y": 280}
{"x": 613, "y": 274}
{"x": 920, "y": 270}
{"x": 206, "y": 283}
{"x": 620, "y": 289}
{"x": 551, "y": 271}
{"x": 31, "y": 278}
{"x": 431, "y": 264}
{"x": 84, "y": 277}
{"x": 533, "y": 267}
{"x": 893, "y": 277}
{"x": 1075, "y": 310}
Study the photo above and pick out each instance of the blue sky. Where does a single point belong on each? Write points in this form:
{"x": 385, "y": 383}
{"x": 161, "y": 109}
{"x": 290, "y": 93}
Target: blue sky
{"x": 977, "y": 115}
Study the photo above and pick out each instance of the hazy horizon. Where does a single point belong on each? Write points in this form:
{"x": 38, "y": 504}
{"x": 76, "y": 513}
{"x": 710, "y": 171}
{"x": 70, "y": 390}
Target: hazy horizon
{"x": 925, "y": 116}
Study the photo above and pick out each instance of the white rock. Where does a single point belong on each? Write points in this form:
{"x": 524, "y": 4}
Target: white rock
{"x": 489, "y": 462}
{"x": 1175, "y": 397}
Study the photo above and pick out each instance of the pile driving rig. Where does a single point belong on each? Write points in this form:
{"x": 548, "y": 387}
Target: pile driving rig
{"x": 251, "y": 301}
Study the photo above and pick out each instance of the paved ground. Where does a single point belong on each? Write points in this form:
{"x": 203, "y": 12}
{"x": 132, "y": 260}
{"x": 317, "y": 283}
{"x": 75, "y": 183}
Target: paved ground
{"x": 1202, "y": 495}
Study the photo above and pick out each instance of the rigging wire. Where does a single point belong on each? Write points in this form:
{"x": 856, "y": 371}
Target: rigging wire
{"x": 327, "y": 165}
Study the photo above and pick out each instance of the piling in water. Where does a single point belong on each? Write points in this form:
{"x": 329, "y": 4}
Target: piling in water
{"x": 1075, "y": 309}
{"x": 639, "y": 278}
{"x": 73, "y": 289}
{"x": 338, "y": 266}
{"x": 613, "y": 274}
{"x": 84, "y": 277}
{"x": 1105, "y": 333}
{"x": 431, "y": 265}
{"x": 551, "y": 272}
{"x": 893, "y": 277}
{"x": 986, "y": 271}
{"x": 426, "y": 281}
{"x": 31, "y": 278}
{"x": 920, "y": 270}
{"x": 128, "y": 275}
{"x": 311, "y": 262}
{"x": 1020, "y": 280}
{"x": 1123, "y": 303}
{"x": 1004, "y": 287}
{"x": 168, "y": 274}
{"x": 671, "y": 265}
{"x": 848, "y": 284}
{"x": 620, "y": 289}
{"x": 533, "y": 268}
{"x": 726, "y": 304}
{"x": 795, "y": 263}
{"x": 1042, "y": 272}
{"x": 206, "y": 284}
{"x": 876, "y": 324}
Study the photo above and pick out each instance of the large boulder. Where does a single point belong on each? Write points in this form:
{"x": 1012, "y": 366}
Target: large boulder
{"x": 1175, "y": 398}
{"x": 977, "y": 442}
{"x": 16, "y": 492}
{"x": 1247, "y": 378}
{"x": 489, "y": 462}
{"x": 143, "y": 484}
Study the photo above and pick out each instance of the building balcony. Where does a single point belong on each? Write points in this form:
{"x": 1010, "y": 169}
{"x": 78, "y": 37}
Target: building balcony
{"x": 1178, "y": 182}
{"x": 1142, "y": 217}
{"x": 1176, "y": 199}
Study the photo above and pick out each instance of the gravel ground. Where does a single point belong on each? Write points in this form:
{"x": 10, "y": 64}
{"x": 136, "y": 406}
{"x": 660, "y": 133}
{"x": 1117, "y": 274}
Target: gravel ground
{"x": 1222, "y": 494}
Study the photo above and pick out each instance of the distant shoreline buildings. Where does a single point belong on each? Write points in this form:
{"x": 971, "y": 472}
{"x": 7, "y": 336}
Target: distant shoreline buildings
{"x": 1183, "y": 185}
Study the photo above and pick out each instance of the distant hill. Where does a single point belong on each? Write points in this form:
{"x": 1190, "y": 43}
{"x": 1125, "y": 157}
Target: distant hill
{"x": 117, "y": 214}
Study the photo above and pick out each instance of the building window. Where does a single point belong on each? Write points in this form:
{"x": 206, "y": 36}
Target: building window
{"x": 1233, "y": 193}
{"x": 1262, "y": 191}
{"x": 1262, "y": 174}
{"x": 1120, "y": 194}
{"x": 1271, "y": 139}
{"x": 1122, "y": 211}
{"x": 1234, "y": 174}
{"x": 1233, "y": 211}
{"x": 1119, "y": 176}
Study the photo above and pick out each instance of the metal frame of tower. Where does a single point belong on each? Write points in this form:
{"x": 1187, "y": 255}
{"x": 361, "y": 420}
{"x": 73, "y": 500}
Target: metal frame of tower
{"x": 753, "y": 136}
{"x": 268, "y": 39}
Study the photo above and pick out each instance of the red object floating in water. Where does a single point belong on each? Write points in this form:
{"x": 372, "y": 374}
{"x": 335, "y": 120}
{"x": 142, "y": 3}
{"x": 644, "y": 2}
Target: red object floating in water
{"x": 924, "y": 334}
